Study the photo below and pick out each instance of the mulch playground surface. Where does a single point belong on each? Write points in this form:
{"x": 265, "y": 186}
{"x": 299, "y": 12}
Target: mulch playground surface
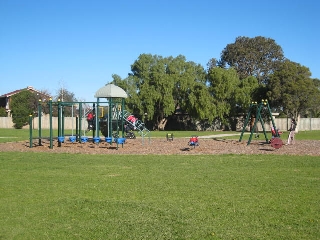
{"x": 161, "y": 146}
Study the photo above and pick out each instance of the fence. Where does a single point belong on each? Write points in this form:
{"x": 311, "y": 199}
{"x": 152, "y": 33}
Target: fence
{"x": 69, "y": 122}
{"x": 304, "y": 124}
{"x": 283, "y": 124}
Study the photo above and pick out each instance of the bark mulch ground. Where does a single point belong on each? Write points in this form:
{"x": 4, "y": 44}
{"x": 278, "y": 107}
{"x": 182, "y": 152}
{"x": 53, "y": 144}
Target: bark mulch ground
{"x": 159, "y": 146}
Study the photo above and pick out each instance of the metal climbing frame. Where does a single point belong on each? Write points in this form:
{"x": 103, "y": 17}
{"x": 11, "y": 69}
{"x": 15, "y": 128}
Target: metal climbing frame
{"x": 138, "y": 124}
{"x": 256, "y": 109}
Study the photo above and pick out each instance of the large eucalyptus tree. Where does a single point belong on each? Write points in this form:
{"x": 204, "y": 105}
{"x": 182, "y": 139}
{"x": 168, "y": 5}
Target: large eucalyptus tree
{"x": 258, "y": 57}
{"x": 292, "y": 89}
{"x": 159, "y": 86}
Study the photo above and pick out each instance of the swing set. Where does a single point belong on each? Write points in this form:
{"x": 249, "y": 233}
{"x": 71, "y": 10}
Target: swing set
{"x": 259, "y": 112}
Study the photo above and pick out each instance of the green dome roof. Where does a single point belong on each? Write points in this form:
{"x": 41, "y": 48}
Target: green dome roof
{"x": 110, "y": 91}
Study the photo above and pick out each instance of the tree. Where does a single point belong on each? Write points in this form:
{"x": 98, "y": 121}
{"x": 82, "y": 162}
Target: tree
{"x": 23, "y": 104}
{"x": 292, "y": 90}
{"x": 314, "y": 110}
{"x": 64, "y": 95}
{"x": 245, "y": 93}
{"x": 223, "y": 84}
{"x": 43, "y": 98}
{"x": 159, "y": 86}
{"x": 258, "y": 57}
{"x": 3, "y": 112}
{"x": 190, "y": 92}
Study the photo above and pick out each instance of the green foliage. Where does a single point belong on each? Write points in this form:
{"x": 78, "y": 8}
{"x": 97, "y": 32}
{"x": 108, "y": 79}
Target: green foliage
{"x": 245, "y": 92}
{"x": 223, "y": 84}
{"x": 3, "y": 112}
{"x": 292, "y": 88}
{"x": 314, "y": 110}
{"x": 258, "y": 57}
{"x": 64, "y": 95}
{"x": 71, "y": 196}
{"x": 159, "y": 86}
{"x": 22, "y": 105}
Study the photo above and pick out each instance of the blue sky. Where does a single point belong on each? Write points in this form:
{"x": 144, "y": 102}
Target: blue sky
{"x": 79, "y": 44}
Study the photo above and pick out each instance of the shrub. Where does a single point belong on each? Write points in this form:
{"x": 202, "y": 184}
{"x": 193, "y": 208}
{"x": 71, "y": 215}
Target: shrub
{"x": 3, "y": 112}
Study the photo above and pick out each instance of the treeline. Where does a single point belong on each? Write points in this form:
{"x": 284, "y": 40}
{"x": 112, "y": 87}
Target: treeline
{"x": 163, "y": 89}
{"x": 250, "y": 69}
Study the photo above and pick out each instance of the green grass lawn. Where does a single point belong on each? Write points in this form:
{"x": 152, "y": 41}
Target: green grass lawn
{"x": 79, "y": 196}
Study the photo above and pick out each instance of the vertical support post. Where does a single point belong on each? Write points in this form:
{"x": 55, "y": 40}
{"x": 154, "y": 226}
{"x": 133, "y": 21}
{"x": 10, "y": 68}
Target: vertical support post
{"x": 30, "y": 131}
{"x": 110, "y": 118}
{"x": 39, "y": 123}
{"x": 246, "y": 122}
{"x": 97, "y": 119}
{"x": 77, "y": 128}
{"x": 80, "y": 120}
{"x": 121, "y": 116}
{"x": 263, "y": 103}
{"x": 255, "y": 122}
{"x": 50, "y": 123}
{"x": 62, "y": 120}
{"x": 59, "y": 122}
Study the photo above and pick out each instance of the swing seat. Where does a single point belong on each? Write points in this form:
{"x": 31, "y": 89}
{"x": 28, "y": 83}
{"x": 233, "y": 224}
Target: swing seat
{"x": 61, "y": 139}
{"x": 72, "y": 139}
{"x": 108, "y": 139}
{"x": 276, "y": 143}
{"x": 193, "y": 141}
{"x": 84, "y": 139}
{"x": 96, "y": 139}
{"x": 121, "y": 140}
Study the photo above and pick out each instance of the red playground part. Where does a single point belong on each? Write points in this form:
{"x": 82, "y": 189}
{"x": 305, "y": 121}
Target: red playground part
{"x": 276, "y": 143}
{"x": 193, "y": 141}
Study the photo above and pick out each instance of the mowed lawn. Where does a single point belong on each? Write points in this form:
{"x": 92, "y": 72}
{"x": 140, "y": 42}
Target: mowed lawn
{"x": 79, "y": 196}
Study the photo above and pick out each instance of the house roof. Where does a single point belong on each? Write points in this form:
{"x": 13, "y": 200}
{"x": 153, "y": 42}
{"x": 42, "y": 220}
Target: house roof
{"x": 17, "y": 91}
{"x": 110, "y": 91}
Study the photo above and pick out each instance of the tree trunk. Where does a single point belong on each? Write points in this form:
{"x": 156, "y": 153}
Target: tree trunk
{"x": 162, "y": 123}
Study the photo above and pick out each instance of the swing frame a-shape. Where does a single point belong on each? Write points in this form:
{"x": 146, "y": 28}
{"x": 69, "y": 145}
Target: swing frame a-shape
{"x": 256, "y": 109}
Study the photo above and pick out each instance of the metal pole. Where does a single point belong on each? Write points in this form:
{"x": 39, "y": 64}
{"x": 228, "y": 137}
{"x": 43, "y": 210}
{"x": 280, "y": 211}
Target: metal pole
{"x": 59, "y": 122}
{"x": 77, "y": 128}
{"x": 110, "y": 118}
{"x": 121, "y": 116}
{"x": 97, "y": 119}
{"x": 39, "y": 118}
{"x": 30, "y": 130}
{"x": 62, "y": 120}
{"x": 246, "y": 122}
{"x": 51, "y": 133}
{"x": 80, "y": 120}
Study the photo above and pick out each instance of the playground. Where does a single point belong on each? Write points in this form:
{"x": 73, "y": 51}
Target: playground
{"x": 114, "y": 130}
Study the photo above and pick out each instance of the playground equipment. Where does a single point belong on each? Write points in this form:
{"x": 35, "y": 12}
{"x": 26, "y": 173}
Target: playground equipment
{"x": 193, "y": 141}
{"x": 169, "y": 136}
{"x": 111, "y": 124}
{"x": 275, "y": 141}
{"x": 258, "y": 112}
